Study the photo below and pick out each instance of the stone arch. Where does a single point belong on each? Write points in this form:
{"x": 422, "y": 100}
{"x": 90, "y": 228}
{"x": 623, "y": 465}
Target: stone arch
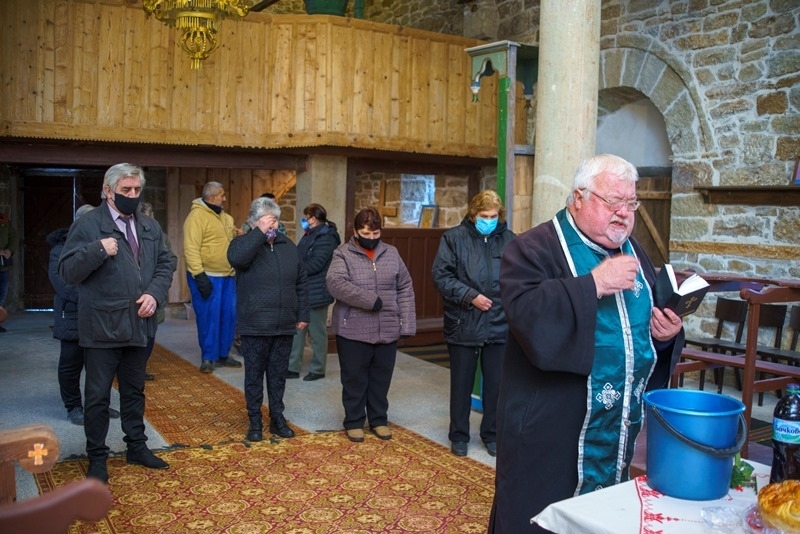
{"x": 628, "y": 72}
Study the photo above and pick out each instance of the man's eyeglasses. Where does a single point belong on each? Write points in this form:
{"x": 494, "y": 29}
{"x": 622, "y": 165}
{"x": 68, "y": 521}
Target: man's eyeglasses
{"x": 617, "y": 205}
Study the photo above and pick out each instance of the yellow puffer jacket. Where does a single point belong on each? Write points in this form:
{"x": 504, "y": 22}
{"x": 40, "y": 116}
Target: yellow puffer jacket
{"x": 206, "y": 237}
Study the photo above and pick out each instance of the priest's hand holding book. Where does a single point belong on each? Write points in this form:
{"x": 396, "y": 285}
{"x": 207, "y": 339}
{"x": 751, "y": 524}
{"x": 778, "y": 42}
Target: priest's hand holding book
{"x": 619, "y": 273}
{"x": 683, "y": 298}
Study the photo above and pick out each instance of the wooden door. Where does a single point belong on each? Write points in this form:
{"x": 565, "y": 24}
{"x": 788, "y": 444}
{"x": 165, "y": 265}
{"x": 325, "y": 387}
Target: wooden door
{"x": 654, "y": 189}
{"x": 417, "y": 248}
{"x": 49, "y": 202}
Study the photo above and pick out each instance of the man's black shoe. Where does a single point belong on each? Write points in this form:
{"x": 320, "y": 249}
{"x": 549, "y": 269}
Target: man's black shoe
{"x": 97, "y": 469}
{"x": 292, "y": 374}
{"x": 254, "y": 435}
{"x": 76, "y": 416}
{"x": 459, "y": 448}
{"x": 491, "y": 448}
{"x": 207, "y": 366}
{"x": 280, "y": 428}
{"x": 146, "y": 458}
{"x": 230, "y": 361}
{"x": 148, "y": 377}
{"x": 312, "y": 376}
{"x": 113, "y": 414}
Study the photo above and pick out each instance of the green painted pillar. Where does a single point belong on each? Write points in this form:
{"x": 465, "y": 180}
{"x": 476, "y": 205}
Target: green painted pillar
{"x": 502, "y": 138}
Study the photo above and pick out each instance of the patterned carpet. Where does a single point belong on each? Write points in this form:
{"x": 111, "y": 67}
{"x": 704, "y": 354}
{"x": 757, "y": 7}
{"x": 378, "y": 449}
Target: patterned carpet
{"x": 314, "y": 483}
{"x": 191, "y": 408}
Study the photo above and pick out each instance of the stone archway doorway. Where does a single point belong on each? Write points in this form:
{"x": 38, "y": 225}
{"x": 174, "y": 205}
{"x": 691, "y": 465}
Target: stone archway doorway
{"x": 630, "y": 126}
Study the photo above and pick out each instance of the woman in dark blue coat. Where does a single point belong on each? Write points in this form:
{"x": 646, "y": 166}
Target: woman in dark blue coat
{"x": 466, "y": 273}
{"x": 316, "y": 250}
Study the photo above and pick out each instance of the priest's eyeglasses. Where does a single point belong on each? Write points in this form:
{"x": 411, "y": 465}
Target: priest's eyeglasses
{"x": 616, "y": 205}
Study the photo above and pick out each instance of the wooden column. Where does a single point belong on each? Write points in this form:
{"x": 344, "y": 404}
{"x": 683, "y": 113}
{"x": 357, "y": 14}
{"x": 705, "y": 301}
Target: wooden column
{"x": 566, "y": 99}
{"x": 323, "y": 182}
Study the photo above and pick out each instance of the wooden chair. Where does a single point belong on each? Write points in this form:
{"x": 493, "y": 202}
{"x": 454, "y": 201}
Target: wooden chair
{"x": 790, "y": 355}
{"x": 36, "y": 449}
{"x": 772, "y": 316}
{"x": 727, "y": 312}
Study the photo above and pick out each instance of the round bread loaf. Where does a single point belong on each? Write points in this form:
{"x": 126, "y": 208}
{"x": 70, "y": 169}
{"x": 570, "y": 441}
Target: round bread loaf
{"x": 779, "y": 505}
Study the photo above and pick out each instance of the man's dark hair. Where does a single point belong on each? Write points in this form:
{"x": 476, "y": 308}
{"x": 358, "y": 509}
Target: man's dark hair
{"x": 268, "y": 195}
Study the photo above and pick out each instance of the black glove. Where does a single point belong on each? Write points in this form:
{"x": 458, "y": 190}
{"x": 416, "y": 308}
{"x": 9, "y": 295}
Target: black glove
{"x": 203, "y": 285}
{"x": 378, "y": 305}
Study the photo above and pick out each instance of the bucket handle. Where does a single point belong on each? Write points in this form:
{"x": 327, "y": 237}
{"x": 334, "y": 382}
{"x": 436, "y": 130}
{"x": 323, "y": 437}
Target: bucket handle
{"x": 717, "y": 453}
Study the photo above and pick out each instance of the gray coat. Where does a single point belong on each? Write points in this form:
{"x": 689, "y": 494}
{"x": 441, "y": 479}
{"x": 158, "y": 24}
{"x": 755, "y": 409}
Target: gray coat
{"x": 356, "y": 282}
{"x": 108, "y": 286}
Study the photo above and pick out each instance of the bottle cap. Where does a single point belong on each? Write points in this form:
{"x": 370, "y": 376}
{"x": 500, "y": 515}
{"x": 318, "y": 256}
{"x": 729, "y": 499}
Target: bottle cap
{"x": 792, "y": 387}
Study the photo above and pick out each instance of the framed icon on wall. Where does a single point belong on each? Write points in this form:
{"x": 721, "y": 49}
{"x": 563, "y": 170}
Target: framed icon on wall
{"x": 428, "y": 217}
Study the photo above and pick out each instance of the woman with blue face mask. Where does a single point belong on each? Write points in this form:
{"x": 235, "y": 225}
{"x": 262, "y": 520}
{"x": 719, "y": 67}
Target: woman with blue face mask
{"x": 320, "y": 239}
{"x": 466, "y": 272}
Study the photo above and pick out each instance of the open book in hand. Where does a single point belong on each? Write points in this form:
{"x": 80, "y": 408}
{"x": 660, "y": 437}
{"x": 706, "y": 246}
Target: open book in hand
{"x": 683, "y": 299}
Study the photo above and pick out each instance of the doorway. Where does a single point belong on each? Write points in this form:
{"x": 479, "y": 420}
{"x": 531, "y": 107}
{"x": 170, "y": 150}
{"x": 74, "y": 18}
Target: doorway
{"x": 50, "y": 198}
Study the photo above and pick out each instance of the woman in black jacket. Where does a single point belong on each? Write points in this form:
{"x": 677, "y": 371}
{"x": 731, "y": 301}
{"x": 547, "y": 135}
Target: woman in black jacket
{"x": 316, "y": 250}
{"x": 466, "y": 272}
{"x": 271, "y": 305}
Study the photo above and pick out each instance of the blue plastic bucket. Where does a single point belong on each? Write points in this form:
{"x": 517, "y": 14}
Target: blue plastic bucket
{"x": 692, "y": 438}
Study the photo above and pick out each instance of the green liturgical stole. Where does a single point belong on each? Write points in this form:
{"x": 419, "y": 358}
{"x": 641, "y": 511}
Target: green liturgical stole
{"x": 624, "y": 358}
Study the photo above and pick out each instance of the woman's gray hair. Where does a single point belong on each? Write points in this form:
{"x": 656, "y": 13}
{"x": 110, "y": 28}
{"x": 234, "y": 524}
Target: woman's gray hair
{"x": 83, "y": 209}
{"x": 263, "y": 206}
{"x": 593, "y": 167}
{"x": 118, "y": 172}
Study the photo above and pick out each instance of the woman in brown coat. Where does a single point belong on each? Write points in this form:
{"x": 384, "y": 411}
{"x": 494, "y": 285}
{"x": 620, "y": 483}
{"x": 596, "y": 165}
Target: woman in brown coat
{"x": 374, "y": 308}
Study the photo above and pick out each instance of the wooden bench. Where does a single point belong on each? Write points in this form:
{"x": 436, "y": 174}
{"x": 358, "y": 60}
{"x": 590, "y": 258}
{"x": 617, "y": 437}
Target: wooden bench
{"x": 771, "y": 291}
{"x": 36, "y": 449}
{"x": 698, "y": 360}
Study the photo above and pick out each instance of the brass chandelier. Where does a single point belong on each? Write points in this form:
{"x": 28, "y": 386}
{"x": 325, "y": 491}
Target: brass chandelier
{"x": 198, "y": 20}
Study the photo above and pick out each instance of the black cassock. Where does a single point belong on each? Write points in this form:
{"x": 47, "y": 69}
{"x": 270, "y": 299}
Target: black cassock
{"x": 549, "y": 355}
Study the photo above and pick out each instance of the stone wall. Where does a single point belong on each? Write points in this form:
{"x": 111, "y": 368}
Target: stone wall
{"x": 725, "y": 74}
{"x": 408, "y": 193}
{"x": 442, "y": 16}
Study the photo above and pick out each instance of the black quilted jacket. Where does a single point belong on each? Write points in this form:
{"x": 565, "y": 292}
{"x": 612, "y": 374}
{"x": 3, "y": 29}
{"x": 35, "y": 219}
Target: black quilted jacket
{"x": 271, "y": 285}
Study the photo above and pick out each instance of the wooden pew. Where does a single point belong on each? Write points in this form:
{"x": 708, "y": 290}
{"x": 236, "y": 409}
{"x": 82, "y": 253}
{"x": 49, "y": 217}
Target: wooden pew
{"x": 36, "y": 449}
{"x": 770, "y": 291}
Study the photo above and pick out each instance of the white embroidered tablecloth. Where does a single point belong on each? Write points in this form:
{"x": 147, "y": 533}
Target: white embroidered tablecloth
{"x": 634, "y": 507}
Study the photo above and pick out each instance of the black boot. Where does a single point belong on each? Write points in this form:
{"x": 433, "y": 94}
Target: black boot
{"x": 280, "y": 428}
{"x": 254, "y": 433}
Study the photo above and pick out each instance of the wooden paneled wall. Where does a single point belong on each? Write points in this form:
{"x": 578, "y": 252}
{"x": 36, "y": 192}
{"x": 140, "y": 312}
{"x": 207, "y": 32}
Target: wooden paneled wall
{"x": 101, "y": 70}
{"x": 241, "y": 187}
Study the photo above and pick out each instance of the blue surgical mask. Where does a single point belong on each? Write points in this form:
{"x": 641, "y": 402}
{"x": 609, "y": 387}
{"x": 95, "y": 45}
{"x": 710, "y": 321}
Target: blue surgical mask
{"x": 304, "y": 224}
{"x": 485, "y": 226}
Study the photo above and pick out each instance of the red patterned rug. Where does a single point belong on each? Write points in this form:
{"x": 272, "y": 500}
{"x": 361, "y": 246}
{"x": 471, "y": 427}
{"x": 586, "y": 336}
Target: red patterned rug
{"x": 313, "y": 483}
{"x": 192, "y": 408}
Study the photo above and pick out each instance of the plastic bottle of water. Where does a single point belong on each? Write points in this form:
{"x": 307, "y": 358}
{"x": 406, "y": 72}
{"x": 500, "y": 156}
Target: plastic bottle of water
{"x": 786, "y": 436}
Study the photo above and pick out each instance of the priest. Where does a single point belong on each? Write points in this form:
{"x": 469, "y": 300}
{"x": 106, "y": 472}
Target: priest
{"x": 585, "y": 343}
